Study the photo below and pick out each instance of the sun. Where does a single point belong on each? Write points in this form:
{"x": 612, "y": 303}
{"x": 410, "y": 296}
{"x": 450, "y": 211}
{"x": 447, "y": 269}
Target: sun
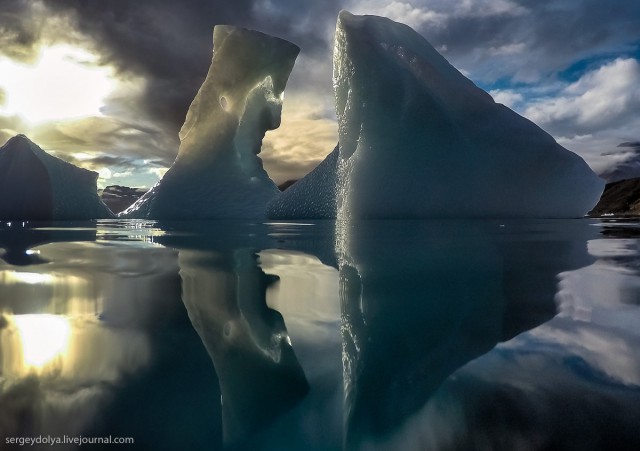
{"x": 65, "y": 82}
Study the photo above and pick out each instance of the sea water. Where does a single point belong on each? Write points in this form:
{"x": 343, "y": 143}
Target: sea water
{"x": 413, "y": 335}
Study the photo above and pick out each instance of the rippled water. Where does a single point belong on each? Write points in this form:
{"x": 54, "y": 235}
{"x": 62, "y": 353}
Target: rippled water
{"x": 409, "y": 335}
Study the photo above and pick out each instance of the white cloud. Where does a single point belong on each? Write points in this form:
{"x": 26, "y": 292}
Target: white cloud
{"x": 598, "y": 100}
{"x": 412, "y": 15}
{"x": 122, "y": 174}
{"x": 105, "y": 173}
{"x": 590, "y": 116}
{"x": 417, "y": 14}
{"x": 507, "y": 97}
{"x": 600, "y": 149}
{"x": 158, "y": 172}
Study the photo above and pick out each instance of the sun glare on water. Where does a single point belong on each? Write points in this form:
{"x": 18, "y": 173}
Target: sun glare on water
{"x": 64, "y": 83}
{"x": 43, "y": 337}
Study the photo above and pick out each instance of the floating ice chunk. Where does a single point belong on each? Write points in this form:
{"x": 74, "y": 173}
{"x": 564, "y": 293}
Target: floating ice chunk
{"x": 37, "y": 186}
{"x": 418, "y": 139}
{"x": 217, "y": 173}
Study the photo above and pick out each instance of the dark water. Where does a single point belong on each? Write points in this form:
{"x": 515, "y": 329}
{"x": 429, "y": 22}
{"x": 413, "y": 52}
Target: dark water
{"x": 379, "y": 335}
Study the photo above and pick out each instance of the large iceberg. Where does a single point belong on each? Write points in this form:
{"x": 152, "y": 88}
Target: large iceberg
{"x": 419, "y": 139}
{"x": 37, "y": 186}
{"x": 217, "y": 173}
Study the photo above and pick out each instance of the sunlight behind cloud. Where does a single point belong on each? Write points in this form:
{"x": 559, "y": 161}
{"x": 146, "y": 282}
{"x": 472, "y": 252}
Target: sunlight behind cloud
{"x": 64, "y": 83}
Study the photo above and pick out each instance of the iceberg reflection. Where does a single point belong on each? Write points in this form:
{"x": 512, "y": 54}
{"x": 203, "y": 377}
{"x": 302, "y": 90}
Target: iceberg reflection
{"x": 412, "y": 315}
{"x": 259, "y": 375}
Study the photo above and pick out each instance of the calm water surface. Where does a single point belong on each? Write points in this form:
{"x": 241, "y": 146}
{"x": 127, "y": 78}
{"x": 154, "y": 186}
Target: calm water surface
{"x": 379, "y": 335}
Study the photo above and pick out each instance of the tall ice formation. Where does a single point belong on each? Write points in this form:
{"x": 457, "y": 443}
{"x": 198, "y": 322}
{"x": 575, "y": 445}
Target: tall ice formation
{"x": 418, "y": 139}
{"x": 217, "y": 173}
{"x": 37, "y": 186}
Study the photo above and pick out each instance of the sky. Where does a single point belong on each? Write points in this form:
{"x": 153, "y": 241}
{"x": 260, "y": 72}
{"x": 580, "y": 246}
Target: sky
{"x": 106, "y": 84}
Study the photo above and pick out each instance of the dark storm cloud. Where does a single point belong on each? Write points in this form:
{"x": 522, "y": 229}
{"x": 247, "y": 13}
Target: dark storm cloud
{"x": 169, "y": 43}
{"x": 308, "y": 23}
{"x": 166, "y": 42}
{"x": 584, "y": 27}
{"x": 531, "y": 40}
{"x": 19, "y": 29}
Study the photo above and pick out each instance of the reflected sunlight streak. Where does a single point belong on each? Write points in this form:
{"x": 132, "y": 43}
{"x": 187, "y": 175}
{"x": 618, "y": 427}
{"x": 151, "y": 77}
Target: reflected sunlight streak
{"x": 30, "y": 278}
{"x": 44, "y": 337}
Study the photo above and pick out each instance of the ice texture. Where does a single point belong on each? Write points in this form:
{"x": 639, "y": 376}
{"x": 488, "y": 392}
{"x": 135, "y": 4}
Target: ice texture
{"x": 217, "y": 173}
{"x": 419, "y": 139}
{"x": 37, "y": 186}
{"x": 312, "y": 197}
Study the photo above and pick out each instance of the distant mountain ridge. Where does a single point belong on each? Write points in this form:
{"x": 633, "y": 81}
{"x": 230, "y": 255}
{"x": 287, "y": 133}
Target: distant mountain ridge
{"x": 118, "y": 197}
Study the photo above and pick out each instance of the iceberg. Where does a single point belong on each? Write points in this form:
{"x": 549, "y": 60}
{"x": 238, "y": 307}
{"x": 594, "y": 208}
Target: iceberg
{"x": 37, "y": 186}
{"x": 217, "y": 173}
{"x": 312, "y": 197}
{"x": 419, "y": 139}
